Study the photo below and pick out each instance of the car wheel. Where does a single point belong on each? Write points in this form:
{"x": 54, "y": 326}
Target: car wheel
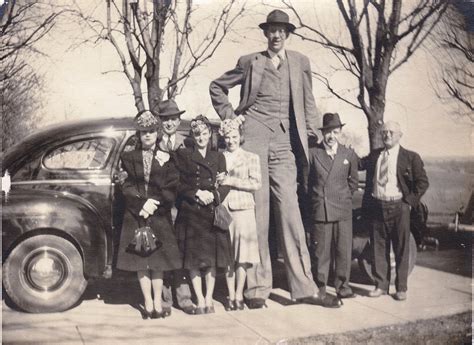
{"x": 365, "y": 261}
{"x": 44, "y": 273}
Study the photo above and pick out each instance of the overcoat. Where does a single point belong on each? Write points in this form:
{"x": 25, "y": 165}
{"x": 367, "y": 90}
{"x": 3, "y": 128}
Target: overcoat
{"x": 202, "y": 244}
{"x": 162, "y": 186}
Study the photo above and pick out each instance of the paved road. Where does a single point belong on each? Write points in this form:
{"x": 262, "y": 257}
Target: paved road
{"x": 107, "y": 316}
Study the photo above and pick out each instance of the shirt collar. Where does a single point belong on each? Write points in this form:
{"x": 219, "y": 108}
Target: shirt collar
{"x": 393, "y": 150}
{"x": 166, "y": 136}
{"x": 281, "y": 53}
{"x": 331, "y": 150}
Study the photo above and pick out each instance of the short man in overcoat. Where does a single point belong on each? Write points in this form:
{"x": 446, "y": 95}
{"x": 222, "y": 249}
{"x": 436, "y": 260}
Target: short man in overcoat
{"x": 278, "y": 113}
{"x": 396, "y": 180}
{"x": 170, "y": 116}
{"x": 332, "y": 180}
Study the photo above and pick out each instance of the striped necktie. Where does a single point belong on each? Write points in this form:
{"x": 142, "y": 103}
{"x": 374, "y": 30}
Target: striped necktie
{"x": 169, "y": 145}
{"x": 383, "y": 171}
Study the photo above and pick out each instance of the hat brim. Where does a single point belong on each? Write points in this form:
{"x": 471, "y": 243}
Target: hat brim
{"x": 332, "y": 126}
{"x": 148, "y": 128}
{"x": 290, "y": 26}
{"x": 171, "y": 114}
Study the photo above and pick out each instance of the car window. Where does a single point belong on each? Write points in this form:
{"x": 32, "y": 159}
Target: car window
{"x": 132, "y": 144}
{"x": 28, "y": 171}
{"x": 87, "y": 154}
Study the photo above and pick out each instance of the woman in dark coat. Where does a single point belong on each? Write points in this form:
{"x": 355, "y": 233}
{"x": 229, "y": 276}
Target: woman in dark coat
{"x": 150, "y": 192}
{"x": 204, "y": 246}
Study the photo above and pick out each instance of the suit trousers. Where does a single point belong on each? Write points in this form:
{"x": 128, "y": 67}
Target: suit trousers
{"x": 333, "y": 238}
{"x": 390, "y": 224}
{"x": 278, "y": 168}
{"x": 176, "y": 282}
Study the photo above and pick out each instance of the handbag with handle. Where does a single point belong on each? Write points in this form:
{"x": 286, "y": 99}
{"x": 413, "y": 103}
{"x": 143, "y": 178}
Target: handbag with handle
{"x": 144, "y": 242}
{"x": 222, "y": 217}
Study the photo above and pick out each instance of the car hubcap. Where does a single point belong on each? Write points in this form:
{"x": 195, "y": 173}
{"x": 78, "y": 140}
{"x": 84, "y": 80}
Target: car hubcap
{"x": 45, "y": 269}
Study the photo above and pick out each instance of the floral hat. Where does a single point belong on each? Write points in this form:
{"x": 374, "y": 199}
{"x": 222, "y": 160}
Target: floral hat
{"x": 146, "y": 120}
{"x": 228, "y": 126}
{"x": 199, "y": 123}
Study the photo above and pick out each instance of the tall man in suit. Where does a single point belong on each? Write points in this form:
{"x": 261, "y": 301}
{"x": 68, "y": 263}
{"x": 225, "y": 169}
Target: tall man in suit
{"x": 396, "y": 180}
{"x": 333, "y": 178}
{"x": 170, "y": 117}
{"x": 278, "y": 113}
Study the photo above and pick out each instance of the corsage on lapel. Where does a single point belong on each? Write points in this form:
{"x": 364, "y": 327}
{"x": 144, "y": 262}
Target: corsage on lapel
{"x": 162, "y": 157}
{"x": 345, "y": 162}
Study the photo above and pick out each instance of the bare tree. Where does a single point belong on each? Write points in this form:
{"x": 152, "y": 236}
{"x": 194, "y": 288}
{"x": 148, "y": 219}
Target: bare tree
{"x": 158, "y": 43}
{"x": 381, "y": 36}
{"x": 22, "y": 24}
{"x": 454, "y": 80}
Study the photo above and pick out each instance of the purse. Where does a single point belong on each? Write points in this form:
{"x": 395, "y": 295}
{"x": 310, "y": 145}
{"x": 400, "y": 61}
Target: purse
{"x": 222, "y": 217}
{"x": 144, "y": 242}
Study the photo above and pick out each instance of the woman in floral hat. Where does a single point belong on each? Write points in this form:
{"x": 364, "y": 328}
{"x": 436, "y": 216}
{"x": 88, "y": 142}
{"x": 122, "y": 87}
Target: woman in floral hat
{"x": 149, "y": 191}
{"x": 243, "y": 177}
{"x": 204, "y": 246}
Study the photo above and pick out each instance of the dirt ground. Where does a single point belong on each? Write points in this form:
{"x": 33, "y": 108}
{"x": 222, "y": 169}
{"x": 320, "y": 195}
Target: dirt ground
{"x": 455, "y": 329}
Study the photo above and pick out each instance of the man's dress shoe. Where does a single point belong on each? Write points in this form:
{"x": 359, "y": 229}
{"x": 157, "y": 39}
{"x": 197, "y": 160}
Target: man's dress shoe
{"x": 400, "y": 295}
{"x": 346, "y": 295}
{"x": 377, "y": 293}
{"x": 256, "y": 303}
{"x": 326, "y": 301}
{"x": 167, "y": 311}
{"x": 190, "y": 309}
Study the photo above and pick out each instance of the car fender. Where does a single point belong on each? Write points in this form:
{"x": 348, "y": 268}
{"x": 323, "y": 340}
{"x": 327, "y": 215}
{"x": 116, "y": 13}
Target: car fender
{"x": 25, "y": 213}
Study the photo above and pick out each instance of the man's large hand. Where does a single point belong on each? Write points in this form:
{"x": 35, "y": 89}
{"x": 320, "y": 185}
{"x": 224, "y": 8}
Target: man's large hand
{"x": 240, "y": 119}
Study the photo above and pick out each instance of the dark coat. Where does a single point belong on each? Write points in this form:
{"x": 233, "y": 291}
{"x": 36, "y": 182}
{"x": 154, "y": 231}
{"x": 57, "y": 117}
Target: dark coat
{"x": 331, "y": 183}
{"x": 411, "y": 175}
{"x": 201, "y": 243}
{"x": 161, "y": 187}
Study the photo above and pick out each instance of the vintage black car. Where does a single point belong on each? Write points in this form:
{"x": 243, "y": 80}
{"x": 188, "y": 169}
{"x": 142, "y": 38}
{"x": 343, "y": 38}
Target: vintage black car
{"x": 61, "y": 213}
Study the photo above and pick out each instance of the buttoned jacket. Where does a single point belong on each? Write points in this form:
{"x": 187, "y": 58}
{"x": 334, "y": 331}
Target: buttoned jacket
{"x": 411, "y": 175}
{"x": 331, "y": 183}
{"x": 198, "y": 172}
{"x": 248, "y": 74}
{"x": 243, "y": 178}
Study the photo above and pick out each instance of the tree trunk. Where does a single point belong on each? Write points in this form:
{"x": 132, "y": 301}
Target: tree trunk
{"x": 375, "y": 119}
{"x": 154, "y": 93}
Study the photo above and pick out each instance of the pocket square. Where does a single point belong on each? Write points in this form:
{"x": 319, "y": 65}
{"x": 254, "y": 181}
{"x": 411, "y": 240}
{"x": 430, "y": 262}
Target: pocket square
{"x": 345, "y": 162}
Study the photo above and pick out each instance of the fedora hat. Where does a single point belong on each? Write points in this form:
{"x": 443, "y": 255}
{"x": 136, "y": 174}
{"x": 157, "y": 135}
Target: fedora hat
{"x": 331, "y": 121}
{"x": 278, "y": 17}
{"x": 145, "y": 121}
{"x": 169, "y": 108}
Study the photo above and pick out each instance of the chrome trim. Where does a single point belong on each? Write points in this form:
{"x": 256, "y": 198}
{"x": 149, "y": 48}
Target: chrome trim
{"x": 92, "y": 181}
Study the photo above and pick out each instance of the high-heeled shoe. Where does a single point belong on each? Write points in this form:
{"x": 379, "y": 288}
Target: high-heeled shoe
{"x": 158, "y": 314}
{"x": 147, "y": 314}
{"x": 209, "y": 310}
{"x": 200, "y": 311}
{"x": 230, "y": 305}
{"x": 239, "y": 305}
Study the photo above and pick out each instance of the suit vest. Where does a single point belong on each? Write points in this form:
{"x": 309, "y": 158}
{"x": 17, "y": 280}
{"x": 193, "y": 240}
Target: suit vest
{"x": 272, "y": 105}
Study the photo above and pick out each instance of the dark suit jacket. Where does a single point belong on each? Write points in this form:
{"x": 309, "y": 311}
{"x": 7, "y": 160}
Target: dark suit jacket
{"x": 411, "y": 175}
{"x": 248, "y": 74}
{"x": 331, "y": 183}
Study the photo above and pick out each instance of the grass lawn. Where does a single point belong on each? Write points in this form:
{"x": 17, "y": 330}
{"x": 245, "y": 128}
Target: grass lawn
{"x": 454, "y": 329}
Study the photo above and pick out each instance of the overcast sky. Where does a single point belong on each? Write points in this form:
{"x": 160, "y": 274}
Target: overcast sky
{"x": 81, "y": 83}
